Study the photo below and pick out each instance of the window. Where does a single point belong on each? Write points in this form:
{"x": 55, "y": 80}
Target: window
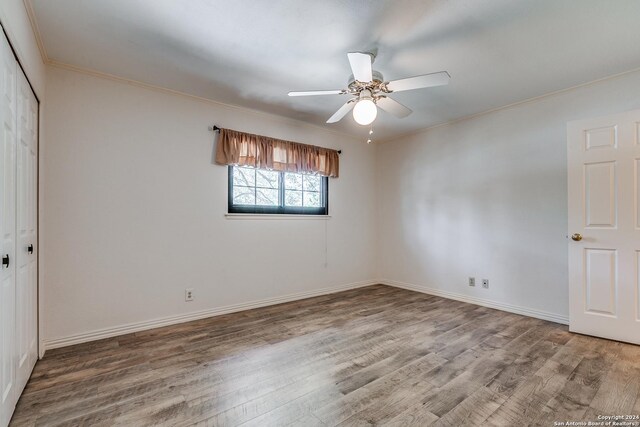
{"x": 264, "y": 191}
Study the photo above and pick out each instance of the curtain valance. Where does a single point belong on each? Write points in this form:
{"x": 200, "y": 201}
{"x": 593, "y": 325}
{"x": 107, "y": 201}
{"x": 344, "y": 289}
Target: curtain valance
{"x": 245, "y": 149}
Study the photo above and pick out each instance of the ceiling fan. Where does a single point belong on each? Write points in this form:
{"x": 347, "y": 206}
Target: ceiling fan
{"x": 370, "y": 91}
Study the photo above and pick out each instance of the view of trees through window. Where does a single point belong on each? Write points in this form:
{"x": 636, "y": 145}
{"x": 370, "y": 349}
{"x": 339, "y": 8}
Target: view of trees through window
{"x": 266, "y": 188}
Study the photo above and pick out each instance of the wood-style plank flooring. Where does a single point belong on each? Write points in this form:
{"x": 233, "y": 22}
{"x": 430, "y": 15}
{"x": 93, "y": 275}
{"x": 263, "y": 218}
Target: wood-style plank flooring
{"x": 371, "y": 356}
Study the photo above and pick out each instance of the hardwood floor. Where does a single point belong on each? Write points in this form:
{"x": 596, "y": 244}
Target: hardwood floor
{"x": 370, "y": 356}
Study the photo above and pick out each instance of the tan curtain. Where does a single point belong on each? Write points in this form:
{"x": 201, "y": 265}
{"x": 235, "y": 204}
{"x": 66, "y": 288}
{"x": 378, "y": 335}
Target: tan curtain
{"x": 245, "y": 149}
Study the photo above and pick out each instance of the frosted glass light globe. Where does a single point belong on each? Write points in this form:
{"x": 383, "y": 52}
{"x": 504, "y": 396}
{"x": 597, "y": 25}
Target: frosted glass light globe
{"x": 365, "y": 112}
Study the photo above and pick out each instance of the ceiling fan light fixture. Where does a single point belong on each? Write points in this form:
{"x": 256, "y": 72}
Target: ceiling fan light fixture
{"x": 370, "y": 90}
{"x": 365, "y": 110}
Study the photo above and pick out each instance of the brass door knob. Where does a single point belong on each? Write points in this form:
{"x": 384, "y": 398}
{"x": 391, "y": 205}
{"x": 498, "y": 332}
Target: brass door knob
{"x": 577, "y": 237}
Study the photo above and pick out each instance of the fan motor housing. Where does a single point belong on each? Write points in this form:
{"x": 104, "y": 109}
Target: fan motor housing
{"x": 356, "y": 86}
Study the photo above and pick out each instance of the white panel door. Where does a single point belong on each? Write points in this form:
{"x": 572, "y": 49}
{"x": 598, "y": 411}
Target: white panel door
{"x": 26, "y": 265}
{"x": 8, "y": 111}
{"x": 604, "y": 226}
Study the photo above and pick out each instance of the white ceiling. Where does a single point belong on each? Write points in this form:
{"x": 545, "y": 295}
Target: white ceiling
{"x": 252, "y": 52}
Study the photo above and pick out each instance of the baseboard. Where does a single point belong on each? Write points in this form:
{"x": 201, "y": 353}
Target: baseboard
{"x": 182, "y": 318}
{"x": 552, "y": 317}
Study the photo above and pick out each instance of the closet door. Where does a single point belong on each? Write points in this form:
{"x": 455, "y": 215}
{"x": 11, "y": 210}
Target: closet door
{"x": 26, "y": 265}
{"x": 8, "y": 120}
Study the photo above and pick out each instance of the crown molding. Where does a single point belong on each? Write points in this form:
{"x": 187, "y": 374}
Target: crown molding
{"x": 58, "y": 64}
{"x": 508, "y": 106}
{"x": 156, "y": 88}
{"x": 36, "y": 30}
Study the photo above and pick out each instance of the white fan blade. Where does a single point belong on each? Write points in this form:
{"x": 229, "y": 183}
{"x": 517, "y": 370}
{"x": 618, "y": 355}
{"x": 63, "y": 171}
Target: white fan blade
{"x": 338, "y": 115}
{"x": 361, "y": 66}
{"x": 318, "y": 92}
{"x": 394, "y": 107}
{"x": 419, "y": 82}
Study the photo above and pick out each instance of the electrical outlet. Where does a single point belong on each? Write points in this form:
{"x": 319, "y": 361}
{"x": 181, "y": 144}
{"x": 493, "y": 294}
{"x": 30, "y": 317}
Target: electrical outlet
{"x": 485, "y": 283}
{"x": 188, "y": 294}
{"x": 472, "y": 281}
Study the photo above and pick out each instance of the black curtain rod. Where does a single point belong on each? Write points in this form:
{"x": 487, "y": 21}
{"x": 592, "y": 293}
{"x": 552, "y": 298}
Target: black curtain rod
{"x": 215, "y": 128}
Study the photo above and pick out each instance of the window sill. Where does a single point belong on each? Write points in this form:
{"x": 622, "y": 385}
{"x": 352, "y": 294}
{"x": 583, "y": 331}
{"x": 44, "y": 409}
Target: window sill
{"x": 275, "y": 216}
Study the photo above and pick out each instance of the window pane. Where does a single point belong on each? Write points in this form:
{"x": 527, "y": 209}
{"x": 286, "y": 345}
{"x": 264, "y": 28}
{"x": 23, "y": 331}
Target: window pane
{"x": 312, "y": 183}
{"x": 293, "y": 181}
{"x": 244, "y": 176}
{"x": 312, "y": 199}
{"x": 267, "y": 179}
{"x": 293, "y": 198}
{"x": 266, "y": 197}
{"x": 261, "y": 191}
{"x": 243, "y": 195}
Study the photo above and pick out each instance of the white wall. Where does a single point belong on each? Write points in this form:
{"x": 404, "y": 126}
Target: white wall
{"x": 487, "y": 197}
{"x": 136, "y": 210}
